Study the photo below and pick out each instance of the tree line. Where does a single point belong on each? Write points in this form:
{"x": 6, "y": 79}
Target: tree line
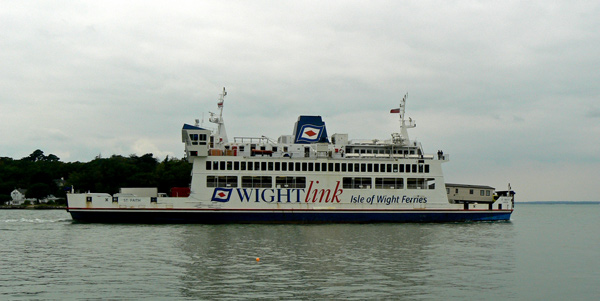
{"x": 43, "y": 175}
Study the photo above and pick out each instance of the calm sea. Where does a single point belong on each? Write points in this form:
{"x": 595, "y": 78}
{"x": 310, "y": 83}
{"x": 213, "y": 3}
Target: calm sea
{"x": 547, "y": 252}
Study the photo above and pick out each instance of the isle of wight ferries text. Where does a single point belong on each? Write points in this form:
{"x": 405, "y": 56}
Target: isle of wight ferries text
{"x": 298, "y": 195}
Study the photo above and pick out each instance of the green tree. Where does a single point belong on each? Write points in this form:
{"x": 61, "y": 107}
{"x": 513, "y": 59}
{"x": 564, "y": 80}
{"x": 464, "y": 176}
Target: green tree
{"x": 39, "y": 174}
{"x": 38, "y": 191}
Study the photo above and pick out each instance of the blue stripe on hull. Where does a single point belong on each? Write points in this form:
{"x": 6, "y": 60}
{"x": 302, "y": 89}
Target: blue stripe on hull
{"x": 216, "y": 217}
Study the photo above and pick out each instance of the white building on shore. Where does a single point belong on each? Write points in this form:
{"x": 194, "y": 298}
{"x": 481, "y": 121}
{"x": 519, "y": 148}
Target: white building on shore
{"x": 18, "y": 197}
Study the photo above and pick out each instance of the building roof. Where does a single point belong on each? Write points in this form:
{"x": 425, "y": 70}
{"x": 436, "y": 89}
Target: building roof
{"x": 469, "y": 186}
{"x": 22, "y": 191}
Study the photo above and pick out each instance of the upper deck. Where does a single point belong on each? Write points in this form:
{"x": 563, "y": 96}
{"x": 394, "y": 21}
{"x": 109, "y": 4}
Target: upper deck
{"x": 308, "y": 140}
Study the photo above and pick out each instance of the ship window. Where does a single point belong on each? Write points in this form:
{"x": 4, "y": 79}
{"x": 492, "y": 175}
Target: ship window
{"x": 481, "y": 193}
{"x": 257, "y": 165}
{"x": 215, "y": 165}
{"x": 487, "y": 193}
{"x": 356, "y": 183}
{"x": 456, "y": 190}
{"x": 330, "y": 167}
{"x": 278, "y": 166}
{"x": 317, "y": 166}
{"x": 420, "y": 168}
{"x": 222, "y": 165}
{"x": 414, "y": 168}
{"x": 426, "y": 168}
{"x": 290, "y": 182}
{"x": 298, "y": 167}
{"x": 221, "y": 181}
{"x": 447, "y": 190}
{"x": 376, "y": 167}
{"x": 236, "y": 165}
{"x": 211, "y": 181}
{"x": 263, "y": 165}
{"x": 241, "y": 148}
{"x": 350, "y": 167}
{"x": 243, "y": 166}
{"x": 310, "y": 166}
{"x": 430, "y": 183}
{"x": 471, "y": 191}
{"x": 266, "y": 182}
{"x": 256, "y": 182}
{"x": 401, "y": 167}
{"x": 369, "y": 167}
{"x": 229, "y": 165}
{"x": 208, "y": 165}
{"x": 416, "y": 183}
{"x": 389, "y": 183}
{"x": 231, "y": 181}
{"x": 363, "y": 167}
{"x": 263, "y": 148}
{"x": 274, "y": 148}
{"x": 270, "y": 166}
{"x": 291, "y": 166}
{"x": 194, "y": 139}
{"x": 323, "y": 166}
{"x": 304, "y": 166}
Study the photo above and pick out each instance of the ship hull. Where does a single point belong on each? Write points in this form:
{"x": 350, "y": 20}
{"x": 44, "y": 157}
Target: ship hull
{"x": 224, "y": 216}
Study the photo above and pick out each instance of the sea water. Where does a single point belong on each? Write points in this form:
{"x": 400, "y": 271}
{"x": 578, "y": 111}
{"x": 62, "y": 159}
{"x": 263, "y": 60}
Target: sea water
{"x": 546, "y": 252}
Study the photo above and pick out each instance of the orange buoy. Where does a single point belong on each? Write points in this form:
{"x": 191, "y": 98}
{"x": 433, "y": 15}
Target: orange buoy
{"x": 257, "y": 259}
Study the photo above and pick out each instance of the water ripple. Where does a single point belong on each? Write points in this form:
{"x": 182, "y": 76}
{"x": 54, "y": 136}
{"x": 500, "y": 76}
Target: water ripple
{"x": 47, "y": 257}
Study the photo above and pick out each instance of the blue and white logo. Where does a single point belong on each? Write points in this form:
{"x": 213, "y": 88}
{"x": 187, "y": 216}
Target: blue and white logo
{"x": 310, "y": 133}
{"x": 221, "y": 195}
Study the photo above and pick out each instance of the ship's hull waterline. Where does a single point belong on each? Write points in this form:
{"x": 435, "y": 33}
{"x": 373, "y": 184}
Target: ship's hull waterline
{"x": 220, "y": 216}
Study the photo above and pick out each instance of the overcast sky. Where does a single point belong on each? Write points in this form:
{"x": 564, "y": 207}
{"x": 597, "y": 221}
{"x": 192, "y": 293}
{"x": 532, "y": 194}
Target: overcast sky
{"x": 509, "y": 89}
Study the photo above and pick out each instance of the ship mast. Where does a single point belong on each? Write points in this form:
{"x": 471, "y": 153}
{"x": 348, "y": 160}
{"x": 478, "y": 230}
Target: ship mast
{"x": 402, "y": 137}
{"x": 221, "y": 134}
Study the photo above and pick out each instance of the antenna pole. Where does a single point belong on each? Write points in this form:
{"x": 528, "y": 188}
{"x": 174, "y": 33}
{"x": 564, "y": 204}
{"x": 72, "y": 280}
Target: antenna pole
{"x": 221, "y": 134}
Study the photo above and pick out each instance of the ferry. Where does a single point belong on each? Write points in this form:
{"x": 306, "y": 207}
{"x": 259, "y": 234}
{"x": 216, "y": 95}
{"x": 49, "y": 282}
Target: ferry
{"x": 305, "y": 177}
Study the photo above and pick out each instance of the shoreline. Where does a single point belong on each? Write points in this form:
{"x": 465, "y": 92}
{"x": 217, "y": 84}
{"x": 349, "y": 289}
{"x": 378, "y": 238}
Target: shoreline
{"x": 32, "y": 207}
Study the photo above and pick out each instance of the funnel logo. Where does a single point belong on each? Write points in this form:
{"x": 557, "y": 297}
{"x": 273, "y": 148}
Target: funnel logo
{"x": 221, "y": 195}
{"x": 310, "y": 133}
